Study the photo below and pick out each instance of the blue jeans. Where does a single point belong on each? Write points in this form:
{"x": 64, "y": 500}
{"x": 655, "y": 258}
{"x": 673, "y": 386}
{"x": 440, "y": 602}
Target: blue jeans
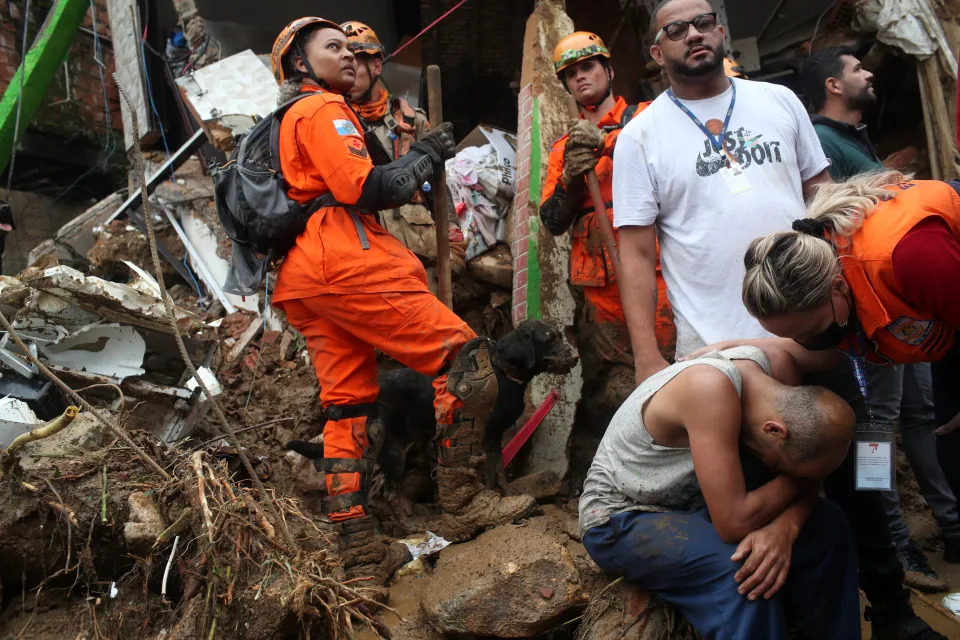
{"x": 680, "y": 556}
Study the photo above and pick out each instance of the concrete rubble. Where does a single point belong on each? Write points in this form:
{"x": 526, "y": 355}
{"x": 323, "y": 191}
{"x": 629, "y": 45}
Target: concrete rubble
{"x": 515, "y": 581}
{"x": 95, "y": 332}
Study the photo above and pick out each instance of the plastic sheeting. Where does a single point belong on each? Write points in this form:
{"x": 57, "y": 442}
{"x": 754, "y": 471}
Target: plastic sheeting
{"x": 909, "y": 25}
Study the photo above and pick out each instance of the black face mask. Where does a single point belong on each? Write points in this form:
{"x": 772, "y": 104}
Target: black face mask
{"x": 831, "y": 337}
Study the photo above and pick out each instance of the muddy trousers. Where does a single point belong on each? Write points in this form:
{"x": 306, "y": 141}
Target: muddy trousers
{"x": 679, "y": 556}
{"x": 342, "y": 333}
{"x": 604, "y": 307}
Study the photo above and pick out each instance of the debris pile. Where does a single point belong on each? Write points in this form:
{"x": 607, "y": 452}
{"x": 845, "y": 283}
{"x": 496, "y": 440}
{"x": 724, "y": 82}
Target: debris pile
{"x": 134, "y": 517}
{"x": 104, "y": 543}
{"x": 87, "y": 527}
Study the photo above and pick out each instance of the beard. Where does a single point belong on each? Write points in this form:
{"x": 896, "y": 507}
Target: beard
{"x": 705, "y": 67}
{"x": 862, "y": 100}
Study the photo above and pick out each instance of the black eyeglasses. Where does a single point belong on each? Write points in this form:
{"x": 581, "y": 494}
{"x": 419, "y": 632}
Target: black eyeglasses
{"x": 677, "y": 30}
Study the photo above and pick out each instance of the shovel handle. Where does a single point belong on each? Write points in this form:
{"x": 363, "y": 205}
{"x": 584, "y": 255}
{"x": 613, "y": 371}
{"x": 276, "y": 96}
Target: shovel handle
{"x": 440, "y": 202}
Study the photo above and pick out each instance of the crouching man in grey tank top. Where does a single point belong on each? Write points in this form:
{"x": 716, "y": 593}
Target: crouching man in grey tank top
{"x": 666, "y": 504}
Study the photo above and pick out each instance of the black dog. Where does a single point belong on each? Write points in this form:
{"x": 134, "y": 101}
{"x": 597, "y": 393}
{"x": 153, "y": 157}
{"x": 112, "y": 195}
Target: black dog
{"x": 406, "y": 401}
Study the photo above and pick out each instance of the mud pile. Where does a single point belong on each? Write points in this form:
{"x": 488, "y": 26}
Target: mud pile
{"x": 96, "y": 544}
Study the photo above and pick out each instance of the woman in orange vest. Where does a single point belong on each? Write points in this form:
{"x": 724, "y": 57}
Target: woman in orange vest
{"x": 873, "y": 271}
{"x": 350, "y": 288}
{"x": 582, "y": 64}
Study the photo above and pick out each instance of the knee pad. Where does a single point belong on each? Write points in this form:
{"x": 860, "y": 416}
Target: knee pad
{"x": 473, "y": 380}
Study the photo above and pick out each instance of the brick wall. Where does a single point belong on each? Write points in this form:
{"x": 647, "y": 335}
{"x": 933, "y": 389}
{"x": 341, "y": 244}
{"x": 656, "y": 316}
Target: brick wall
{"x": 478, "y": 48}
{"x": 74, "y": 104}
{"x": 524, "y": 209}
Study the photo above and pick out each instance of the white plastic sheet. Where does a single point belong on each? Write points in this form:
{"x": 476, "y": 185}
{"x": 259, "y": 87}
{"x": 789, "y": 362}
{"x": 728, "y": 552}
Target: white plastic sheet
{"x": 909, "y": 25}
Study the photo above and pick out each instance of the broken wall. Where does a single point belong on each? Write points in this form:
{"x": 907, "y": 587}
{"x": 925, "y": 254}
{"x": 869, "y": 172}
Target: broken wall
{"x": 478, "y": 49}
{"x": 540, "y": 289}
{"x": 74, "y": 104}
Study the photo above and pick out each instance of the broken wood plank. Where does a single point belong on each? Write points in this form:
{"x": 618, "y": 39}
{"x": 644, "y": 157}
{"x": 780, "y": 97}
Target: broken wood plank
{"x": 245, "y": 339}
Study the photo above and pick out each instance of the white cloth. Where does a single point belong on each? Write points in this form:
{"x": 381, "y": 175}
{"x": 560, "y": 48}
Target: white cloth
{"x": 631, "y": 472}
{"x": 665, "y": 171}
{"x": 474, "y": 180}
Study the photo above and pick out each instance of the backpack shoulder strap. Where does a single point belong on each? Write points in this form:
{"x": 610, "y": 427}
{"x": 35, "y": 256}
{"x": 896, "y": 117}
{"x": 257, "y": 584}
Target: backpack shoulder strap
{"x": 275, "y": 119}
{"x": 627, "y": 115}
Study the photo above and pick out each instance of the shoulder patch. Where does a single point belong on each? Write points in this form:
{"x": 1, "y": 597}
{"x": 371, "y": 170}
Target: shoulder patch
{"x": 355, "y": 146}
{"x": 910, "y": 330}
{"x": 345, "y": 128}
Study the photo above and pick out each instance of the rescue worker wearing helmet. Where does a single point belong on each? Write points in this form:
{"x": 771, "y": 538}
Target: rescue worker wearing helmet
{"x": 582, "y": 64}
{"x": 396, "y": 125}
{"x": 350, "y": 288}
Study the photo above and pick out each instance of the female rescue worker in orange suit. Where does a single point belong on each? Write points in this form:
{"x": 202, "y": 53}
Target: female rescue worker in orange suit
{"x": 873, "y": 271}
{"x": 350, "y": 287}
{"x": 582, "y": 63}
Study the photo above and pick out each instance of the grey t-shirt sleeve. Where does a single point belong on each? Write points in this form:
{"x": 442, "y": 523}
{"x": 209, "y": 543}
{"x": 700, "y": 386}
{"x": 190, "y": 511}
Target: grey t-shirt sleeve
{"x": 745, "y": 352}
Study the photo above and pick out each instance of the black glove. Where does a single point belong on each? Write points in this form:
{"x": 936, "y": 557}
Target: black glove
{"x": 440, "y": 141}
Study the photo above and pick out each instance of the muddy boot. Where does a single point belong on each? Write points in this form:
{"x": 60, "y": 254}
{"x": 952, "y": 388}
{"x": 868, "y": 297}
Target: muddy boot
{"x": 368, "y": 554}
{"x": 898, "y": 622}
{"x": 468, "y": 506}
{"x": 917, "y": 572}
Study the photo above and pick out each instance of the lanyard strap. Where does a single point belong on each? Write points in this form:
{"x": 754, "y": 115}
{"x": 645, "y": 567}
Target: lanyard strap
{"x": 716, "y": 142}
{"x": 858, "y": 363}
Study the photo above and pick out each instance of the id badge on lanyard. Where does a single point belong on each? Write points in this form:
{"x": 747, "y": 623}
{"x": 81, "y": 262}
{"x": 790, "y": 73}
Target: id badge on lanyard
{"x": 734, "y": 177}
{"x": 875, "y": 443}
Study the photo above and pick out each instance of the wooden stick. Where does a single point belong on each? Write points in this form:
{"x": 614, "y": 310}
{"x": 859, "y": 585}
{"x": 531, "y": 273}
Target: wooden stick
{"x": 441, "y": 207}
{"x": 593, "y": 185}
{"x": 929, "y": 127}
{"x": 195, "y": 460}
{"x": 943, "y": 131}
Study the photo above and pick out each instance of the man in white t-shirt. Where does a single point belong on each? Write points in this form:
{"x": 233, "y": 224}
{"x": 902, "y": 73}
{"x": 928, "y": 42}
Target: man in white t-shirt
{"x": 707, "y": 204}
{"x": 710, "y": 165}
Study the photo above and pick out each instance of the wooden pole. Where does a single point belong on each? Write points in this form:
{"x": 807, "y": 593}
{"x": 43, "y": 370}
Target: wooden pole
{"x": 593, "y": 185}
{"x": 441, "y": 205}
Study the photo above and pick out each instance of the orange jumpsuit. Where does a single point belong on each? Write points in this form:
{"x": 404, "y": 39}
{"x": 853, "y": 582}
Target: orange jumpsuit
{"x": 590, "y": 265}
{"x": 348, "y": 300}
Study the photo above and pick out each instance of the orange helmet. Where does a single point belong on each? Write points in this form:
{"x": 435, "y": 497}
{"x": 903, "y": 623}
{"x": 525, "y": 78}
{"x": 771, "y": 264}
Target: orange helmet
{"x": 362, "y": 39}
{"x": 281, "y": 46}
{"x": 578, "y": 46}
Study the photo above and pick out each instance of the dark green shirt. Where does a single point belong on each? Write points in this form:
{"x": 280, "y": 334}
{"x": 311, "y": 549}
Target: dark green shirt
{"x": 847, "y": 146}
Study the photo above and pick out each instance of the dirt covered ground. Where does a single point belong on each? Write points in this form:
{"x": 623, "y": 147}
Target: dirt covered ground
{"x": 87, "y": 528}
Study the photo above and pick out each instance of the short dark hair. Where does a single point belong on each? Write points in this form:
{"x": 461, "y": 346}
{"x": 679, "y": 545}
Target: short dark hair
{"x": 656, "y": 11}
{"x": 800, "y": 408}
{"x": 820, "y": 66}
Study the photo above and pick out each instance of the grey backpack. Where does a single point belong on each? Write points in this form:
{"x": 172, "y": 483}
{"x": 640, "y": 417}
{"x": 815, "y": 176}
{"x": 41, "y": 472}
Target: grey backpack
{"x": 252, "y": 203}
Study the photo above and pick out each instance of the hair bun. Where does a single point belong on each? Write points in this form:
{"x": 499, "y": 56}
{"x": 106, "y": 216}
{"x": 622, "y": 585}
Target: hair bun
{"x": 810, "y": 226}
